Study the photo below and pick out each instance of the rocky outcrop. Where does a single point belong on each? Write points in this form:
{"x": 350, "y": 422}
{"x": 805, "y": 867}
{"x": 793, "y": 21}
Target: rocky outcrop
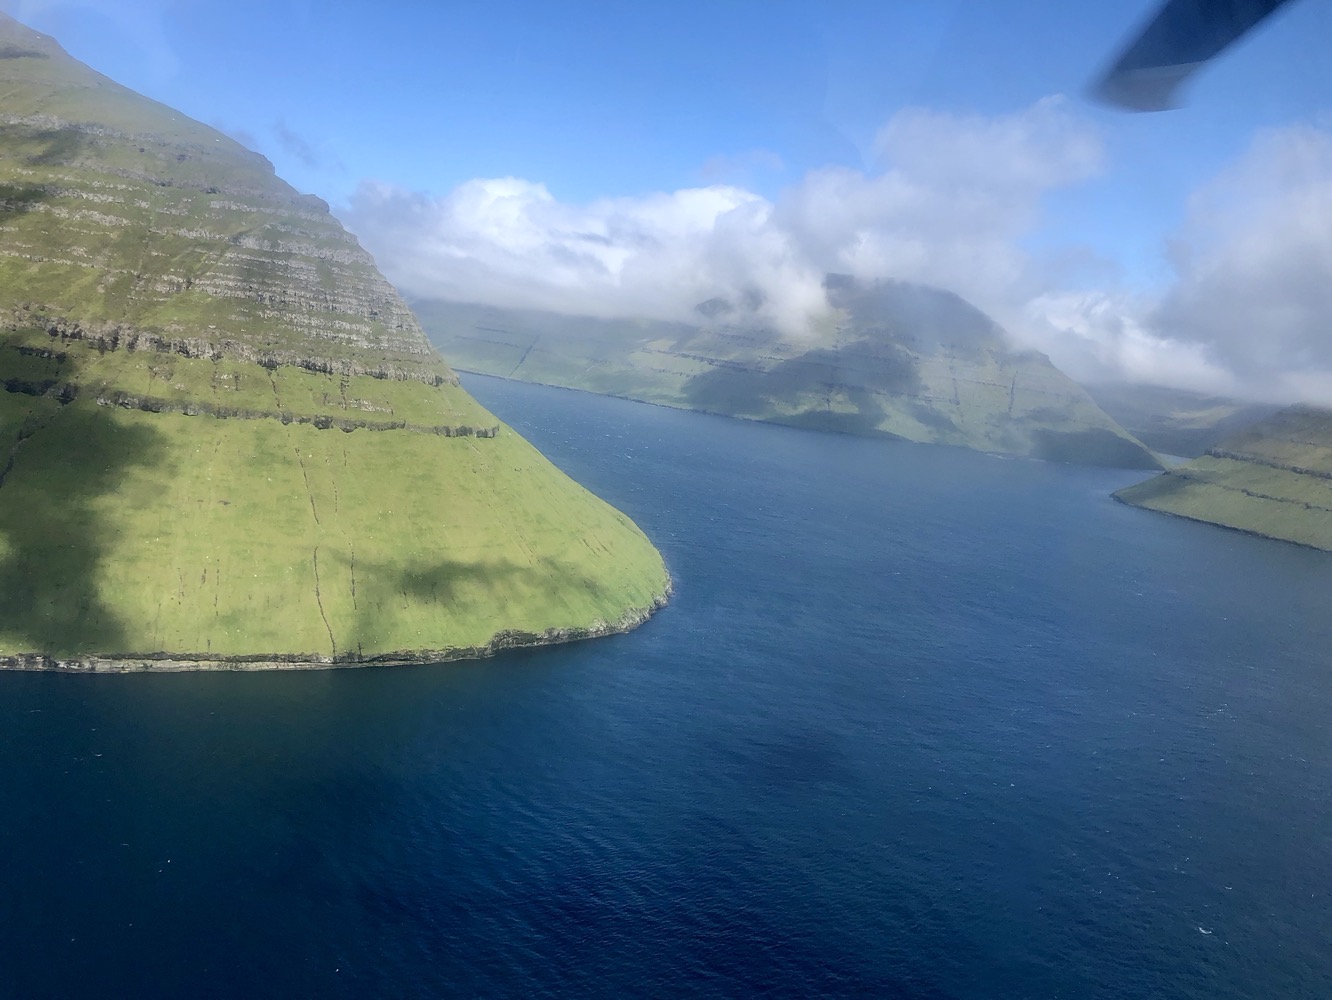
{"x": 320, "y": 421}
{"x": 111, "y": 336}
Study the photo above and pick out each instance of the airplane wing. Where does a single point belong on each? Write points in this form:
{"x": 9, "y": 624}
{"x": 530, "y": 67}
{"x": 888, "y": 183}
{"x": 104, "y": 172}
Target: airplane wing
{"x": 1183, "y": 36}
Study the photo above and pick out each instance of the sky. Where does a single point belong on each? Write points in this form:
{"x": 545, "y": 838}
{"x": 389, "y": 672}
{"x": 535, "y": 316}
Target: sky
{"x": 636, "y": 158}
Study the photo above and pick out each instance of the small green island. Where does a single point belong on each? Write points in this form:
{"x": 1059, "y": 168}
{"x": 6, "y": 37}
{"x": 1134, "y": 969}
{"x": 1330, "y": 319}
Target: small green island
{"x": 225, "y": 441}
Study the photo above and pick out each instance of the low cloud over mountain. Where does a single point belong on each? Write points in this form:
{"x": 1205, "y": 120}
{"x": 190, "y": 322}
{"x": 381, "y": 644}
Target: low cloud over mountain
{"x": 954, "y": 196}
{"x": 951, "y": 203}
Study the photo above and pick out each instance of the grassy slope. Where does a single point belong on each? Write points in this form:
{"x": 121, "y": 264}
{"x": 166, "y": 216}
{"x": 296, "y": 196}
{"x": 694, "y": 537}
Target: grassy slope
{"x": 129, "y": 527}
{"x": 1275, "y": 480}
{"x": 867, "y": 375}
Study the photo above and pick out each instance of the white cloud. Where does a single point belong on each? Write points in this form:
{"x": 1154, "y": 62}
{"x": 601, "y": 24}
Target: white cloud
{"x": 950, "y": 204}
{"x": 507, "y": 241}
{"x": 1044, "y": 146}
{"x": 954, "y": 195}
{"x": 1250, "y": 310}
{"x": 1097, "y": 335}
{"x": 1254, "y": 261}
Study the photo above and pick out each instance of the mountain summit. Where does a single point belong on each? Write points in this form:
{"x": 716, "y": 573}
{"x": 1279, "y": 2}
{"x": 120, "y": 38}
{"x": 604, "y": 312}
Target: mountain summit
{"x": 224, "y": 439}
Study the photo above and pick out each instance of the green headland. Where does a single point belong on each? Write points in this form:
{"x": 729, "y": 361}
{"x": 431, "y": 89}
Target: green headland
{"x": 1273, "y": 479}
{"x": 224, "y": 439}
{"x": 896, "y": 360}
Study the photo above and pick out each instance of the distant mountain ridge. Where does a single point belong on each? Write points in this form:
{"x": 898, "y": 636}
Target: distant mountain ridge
{"x": 900, "y": 360}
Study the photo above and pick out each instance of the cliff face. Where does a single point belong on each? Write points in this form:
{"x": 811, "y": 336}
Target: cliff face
{"x": 124, "y": 217}
{"x": 899, "y": 361}
{"x": 1273, "y": 479}
{"x": 224, "y": 439}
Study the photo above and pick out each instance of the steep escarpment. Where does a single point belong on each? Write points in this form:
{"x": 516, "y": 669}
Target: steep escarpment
{"x": 896, "y": 360}
{"x": 123, "y": 218}
{"x": 1273, "y": 479}
{"x": 224, "y": 439}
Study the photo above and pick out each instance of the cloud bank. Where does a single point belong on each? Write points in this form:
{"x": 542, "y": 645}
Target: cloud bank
{"x": 1255, "y": 265}
{"x": 950, "y": 203}
{"x": 1250, "y": 310}
{"x": 954, "y": 195}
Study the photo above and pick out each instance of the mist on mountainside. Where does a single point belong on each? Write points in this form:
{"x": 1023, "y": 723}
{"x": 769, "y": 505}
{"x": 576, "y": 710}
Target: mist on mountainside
{"x": 1176, "y": 421}
{"x": 955, "y": 201}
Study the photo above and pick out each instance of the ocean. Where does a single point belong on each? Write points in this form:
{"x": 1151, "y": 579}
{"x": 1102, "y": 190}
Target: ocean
{"x": 917, "y": 723}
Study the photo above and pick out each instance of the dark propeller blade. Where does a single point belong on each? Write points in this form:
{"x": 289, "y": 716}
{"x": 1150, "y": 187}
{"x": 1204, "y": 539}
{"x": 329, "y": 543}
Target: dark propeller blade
{"x": 1182, "y": 37}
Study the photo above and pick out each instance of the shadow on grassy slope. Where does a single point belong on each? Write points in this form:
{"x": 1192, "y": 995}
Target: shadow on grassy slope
{"x": 57, "y": 460}
{"x": 16, "y": 199}
{"x": 1093, "y": 446}
{"x": 43, "y": 147}
{"x": 377, "y": 586}
{"x": 62, "y": 461}
{"x": 455, "y": 586}
{"x": 854, "y": 375}
{"x": 35, "y": 148}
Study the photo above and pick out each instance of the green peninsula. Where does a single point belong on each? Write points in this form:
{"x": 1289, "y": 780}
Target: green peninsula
{"x": 224, "y": 439}
{"x": 1273, "y": 479}
{"x": 898, "y": 360}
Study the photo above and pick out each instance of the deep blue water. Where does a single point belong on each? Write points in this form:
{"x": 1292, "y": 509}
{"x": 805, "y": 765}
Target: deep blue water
{"x": 918, "y": 723}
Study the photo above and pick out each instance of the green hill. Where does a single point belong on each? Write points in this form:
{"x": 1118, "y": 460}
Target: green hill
{"x": 1273, "y": 479}
{"x": 900, "y": 360}
{"x": 224, "y": 439}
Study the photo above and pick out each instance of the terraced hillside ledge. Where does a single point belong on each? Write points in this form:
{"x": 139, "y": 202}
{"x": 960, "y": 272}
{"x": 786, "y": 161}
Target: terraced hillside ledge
{"x": 225, "y": 441}
{"x": 898, "y": 360}
{"x": 1273, "y": 479}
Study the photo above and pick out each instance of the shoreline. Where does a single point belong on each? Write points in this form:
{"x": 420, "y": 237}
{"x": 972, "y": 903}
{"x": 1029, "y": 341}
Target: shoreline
{"x": 166, "y": 663}
{"x": 872, "y": 435}
{"x": 1217, "y": 524}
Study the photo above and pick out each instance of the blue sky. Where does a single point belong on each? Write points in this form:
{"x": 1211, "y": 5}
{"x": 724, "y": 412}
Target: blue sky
{"x": 606, "y": 110}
